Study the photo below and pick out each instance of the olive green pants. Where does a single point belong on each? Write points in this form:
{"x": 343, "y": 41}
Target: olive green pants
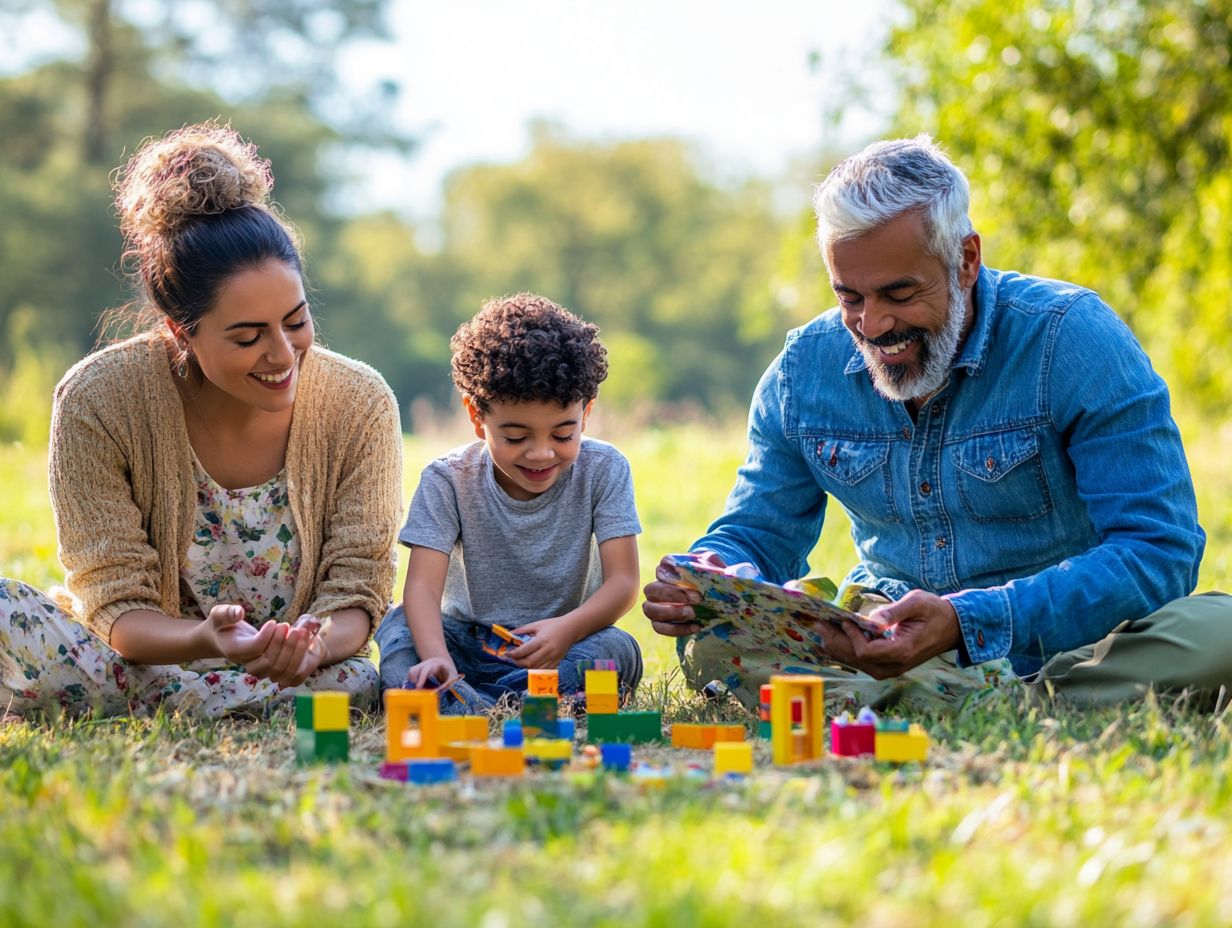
{"x": 1186, "y": 644}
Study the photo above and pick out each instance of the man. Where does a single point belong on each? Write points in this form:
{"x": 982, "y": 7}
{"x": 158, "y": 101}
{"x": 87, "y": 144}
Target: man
{"x": 1015, "y": 481}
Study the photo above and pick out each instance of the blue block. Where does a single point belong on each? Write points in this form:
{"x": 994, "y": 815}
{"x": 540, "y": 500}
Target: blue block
{"x": 431, "y": 770}
{"x": 566, "y": 729}
{"x": 513, "y": 733}
{"x": 616, "y": 757}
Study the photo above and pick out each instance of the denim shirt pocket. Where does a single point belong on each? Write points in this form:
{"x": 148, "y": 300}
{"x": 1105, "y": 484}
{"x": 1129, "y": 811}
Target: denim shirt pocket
{"x": 1001, "y": 477}
{"x": 856, "y": 473}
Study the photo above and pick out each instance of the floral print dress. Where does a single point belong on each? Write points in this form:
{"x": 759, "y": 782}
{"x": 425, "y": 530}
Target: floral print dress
{"x": 244, "y": 550}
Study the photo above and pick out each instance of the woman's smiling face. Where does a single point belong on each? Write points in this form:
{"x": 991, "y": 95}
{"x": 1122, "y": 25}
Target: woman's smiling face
{"x": 251, "y": 343}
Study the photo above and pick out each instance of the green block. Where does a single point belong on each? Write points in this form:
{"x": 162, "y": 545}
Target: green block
{"x": 303, "y": 711}
{"x": 539, "y": 716}
{"x": 631, "y": 727}
{"x": 305, "y": 746}
{"x": 763, "y": 730}
{"x": 332, "y": 745}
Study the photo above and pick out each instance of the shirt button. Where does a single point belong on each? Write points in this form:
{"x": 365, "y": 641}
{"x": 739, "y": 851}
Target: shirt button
{"x": 925, "y": 488}
{"x": 941, "y": 541}
{"x": 979, "y": 638}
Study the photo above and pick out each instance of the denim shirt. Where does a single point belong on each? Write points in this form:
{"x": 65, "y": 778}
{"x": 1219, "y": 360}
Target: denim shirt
{"x": 1043, "y": 490}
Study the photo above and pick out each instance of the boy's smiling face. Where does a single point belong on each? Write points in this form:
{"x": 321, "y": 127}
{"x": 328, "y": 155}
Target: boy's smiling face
{"x": 531, "y": 443}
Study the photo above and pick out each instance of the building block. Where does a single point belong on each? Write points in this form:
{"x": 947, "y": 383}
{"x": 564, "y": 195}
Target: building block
{"x": 550, "y": 752}
{"x": 332, "y": 745}
{"x": 635, "y": 727}
{"x": 603, "y": 682}
{"x": 462, "y": 728}
{"x": 331, "y": 711}
{"x": 460, "y": 751}
{"x": 704, "y": 737}
{"x": 394, "y": 770}
{"x": 304, "y": 710}
{"x": 851, "y": 738}
{"x": 616, "y": 757}
{"x": 511, "y": 733}
{"x": 900, "y": 747}
{"x": 796, "y": 708}
{"x": 489, "y": 760}
{"x": 542, "y": 682}
{"x": 539, "y": 716}
{"x": 412, "y": 719}
{"x": 688, "y": 735}
{"x": 602, "y": 703}
{"x": 763, "y": 713}
{"x": 431, "y": 770}
{"x": 566, "y": 728}
{"x": 733, "y": 757}
{"x": 322, "y": 722}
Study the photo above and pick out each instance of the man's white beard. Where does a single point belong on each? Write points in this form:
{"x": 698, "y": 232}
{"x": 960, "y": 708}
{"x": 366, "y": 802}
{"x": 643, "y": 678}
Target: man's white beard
{"x": 937, "y": 352}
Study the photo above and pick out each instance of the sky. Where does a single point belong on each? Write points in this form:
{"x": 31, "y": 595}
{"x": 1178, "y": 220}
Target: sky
{"x": 731, "y": 76}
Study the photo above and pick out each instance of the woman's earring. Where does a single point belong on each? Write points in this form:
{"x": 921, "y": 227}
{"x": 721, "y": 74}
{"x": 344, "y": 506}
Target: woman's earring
{"x": 182, "y": 367}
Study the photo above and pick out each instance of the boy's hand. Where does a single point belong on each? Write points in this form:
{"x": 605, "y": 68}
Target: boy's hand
{"x": 434, "y": 669}
{"x": 551, "y": 642}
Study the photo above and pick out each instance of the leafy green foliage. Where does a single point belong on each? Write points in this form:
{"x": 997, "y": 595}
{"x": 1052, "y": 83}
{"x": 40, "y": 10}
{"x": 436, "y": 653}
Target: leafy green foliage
{"x": 1099, "y": 147}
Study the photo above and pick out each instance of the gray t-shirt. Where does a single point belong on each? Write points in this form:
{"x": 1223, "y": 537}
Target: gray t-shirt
{"x": 517, "y": 561}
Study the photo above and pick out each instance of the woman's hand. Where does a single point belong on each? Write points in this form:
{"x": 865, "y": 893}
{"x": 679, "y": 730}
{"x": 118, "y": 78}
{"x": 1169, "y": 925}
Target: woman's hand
{"x": 232, "y": 637}
{"x": 293, "y": 654}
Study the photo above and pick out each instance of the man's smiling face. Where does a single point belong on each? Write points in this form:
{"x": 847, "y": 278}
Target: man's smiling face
{"x": 905, "y": 310}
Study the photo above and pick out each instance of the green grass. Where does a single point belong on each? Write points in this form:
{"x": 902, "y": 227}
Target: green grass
{"x": 1022, "y": 815}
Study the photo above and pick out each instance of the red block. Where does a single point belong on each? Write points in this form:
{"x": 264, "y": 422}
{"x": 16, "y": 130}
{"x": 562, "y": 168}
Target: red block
{"x": 852, "y": 740}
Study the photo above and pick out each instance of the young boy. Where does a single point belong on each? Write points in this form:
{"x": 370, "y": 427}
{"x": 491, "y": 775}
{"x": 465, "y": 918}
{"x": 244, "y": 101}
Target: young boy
{"x": 532, "y": 527}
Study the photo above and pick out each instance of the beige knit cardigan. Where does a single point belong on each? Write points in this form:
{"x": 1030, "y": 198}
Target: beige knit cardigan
{"x": 125, "y": 499}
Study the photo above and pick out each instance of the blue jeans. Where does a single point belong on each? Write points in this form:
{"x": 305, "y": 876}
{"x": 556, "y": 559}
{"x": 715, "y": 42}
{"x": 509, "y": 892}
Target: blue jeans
{"x": 488, "y": 678}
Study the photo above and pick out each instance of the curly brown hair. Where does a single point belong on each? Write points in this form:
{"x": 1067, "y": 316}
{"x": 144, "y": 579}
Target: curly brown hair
{"x": 526, "y": 349}
{"x": 195, "y": 210}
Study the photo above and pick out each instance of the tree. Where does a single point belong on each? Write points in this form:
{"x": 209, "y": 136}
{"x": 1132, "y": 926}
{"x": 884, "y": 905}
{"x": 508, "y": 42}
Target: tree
{"x": 1098, "y": 141}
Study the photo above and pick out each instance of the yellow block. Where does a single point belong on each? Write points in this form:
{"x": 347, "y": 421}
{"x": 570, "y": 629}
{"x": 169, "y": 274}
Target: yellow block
{"x": 548, "y": 748}
{"x": 411, "y": 724}
{"x": 733, "y": 757}
{"x": 602, "y": 682}
{"x": 331, "y": 711}
{"x": 899, "y": 747}
{"x": 492, "y": 761}
{"x": 462, "y": 728}
{"x": 803, "y": 743}
{"x": 602, "y": 703}
{"x": 542, "y": 682}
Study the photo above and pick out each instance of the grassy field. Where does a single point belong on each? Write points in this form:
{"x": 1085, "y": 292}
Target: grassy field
{"x": 1023, "y": 814}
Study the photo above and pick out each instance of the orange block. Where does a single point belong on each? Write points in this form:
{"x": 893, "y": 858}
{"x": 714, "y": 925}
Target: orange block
{"x": 689, "y": 735}
{"x": 602, "y": 703}
{"x": 542, "y": 682}
{"x": 462, "y": 728}
{"x": 493, "y": 761}
{"x": 412, "y": 718}
{"x": 460, "y": 751}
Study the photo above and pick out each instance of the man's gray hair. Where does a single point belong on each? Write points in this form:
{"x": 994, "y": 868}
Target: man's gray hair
{"x": 887, "y": 179}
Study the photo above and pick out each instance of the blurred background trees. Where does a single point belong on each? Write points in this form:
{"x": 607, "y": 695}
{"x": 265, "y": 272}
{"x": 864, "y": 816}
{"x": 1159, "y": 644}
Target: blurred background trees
{"x": 1096, "y": 135}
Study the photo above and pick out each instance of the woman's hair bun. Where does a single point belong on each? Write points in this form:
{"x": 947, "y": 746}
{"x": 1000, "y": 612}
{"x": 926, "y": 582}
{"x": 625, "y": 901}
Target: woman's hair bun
{"x": 198, "y": 170}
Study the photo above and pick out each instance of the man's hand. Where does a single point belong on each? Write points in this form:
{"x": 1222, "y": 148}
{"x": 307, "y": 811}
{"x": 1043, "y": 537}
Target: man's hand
{"x": 925, "y": 625}
{"x": 550, "y": 642}
{"x": 669, "y": 607}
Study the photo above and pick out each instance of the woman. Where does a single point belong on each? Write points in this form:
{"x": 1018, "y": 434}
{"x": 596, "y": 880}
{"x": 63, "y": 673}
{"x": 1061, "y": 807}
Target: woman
{"x": 226, "y": 492}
